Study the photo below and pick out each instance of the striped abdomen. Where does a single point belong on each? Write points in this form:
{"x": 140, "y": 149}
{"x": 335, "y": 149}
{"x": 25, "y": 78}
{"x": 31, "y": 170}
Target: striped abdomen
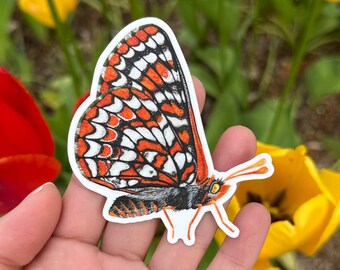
{"x": 153, "y": 199}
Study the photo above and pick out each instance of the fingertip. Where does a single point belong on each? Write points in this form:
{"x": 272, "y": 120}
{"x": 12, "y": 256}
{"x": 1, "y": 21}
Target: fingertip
{"x": 242, "y": 252}
{"x": 26, "y": 229}
{"x": 236, "y": 145}
{"x": 256, "y": 212}
{"x": 200, "y": 92}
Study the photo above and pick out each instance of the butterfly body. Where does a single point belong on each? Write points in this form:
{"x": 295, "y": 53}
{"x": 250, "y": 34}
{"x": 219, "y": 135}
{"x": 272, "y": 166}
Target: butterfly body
{"x": 144, "y": 201}
{"x": 138, "y": 139}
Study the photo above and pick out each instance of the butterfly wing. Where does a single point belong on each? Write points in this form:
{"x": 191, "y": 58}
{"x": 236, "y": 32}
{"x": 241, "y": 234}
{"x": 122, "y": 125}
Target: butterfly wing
{"x": 140, "y": 129}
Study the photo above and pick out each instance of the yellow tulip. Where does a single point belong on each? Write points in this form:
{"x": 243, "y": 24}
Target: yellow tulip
{"x": 304, "y": 203}
{"x": 39, "y": 9}
{"x": 264, "y": 265}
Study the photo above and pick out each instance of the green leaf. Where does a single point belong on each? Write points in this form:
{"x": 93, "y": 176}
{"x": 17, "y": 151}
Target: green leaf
{"x": 188, "y": 13}
{"x": 59, "y": 123}
{"x": 209, "y": 255}
{"x": 211, "y": 56}
{"x": 259, "y": 118}
{"x": 39, "y": 30}
{"x": 208, "y": 80}
{"x": 136, "y": 9}
{"x": 224, "y": 114}
{"x": 6, "y": 10}
{"x": 59, "y": 93}
{"x": 332, "y": 144}
{"x": 322, "y": 78}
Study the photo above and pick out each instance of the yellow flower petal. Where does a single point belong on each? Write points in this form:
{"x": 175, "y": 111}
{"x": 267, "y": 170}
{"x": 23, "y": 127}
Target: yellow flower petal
{"x": 264, "y": 265}
{"x": 331, "y": 182}
{"x": 293, "y": 169}
{"x": 39, "y": 9}
{"x": 304, "y": 203}
{"x": 311, "y": 219}
{"x": 280, "y": 239}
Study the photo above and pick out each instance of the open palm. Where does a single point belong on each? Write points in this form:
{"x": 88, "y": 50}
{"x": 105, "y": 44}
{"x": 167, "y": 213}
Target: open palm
{"x": 47, "y": 232}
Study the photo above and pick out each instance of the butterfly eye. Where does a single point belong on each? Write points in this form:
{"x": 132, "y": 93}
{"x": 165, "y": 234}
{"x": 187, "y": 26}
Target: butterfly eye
{"x": 215, "y": 188}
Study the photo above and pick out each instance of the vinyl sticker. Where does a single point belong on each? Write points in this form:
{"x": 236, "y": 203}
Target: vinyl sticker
{"x": 138, "y": 138}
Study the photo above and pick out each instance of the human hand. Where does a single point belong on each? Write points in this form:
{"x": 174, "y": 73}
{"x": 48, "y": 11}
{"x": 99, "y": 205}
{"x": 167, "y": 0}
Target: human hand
{"x": 46, "y": 232}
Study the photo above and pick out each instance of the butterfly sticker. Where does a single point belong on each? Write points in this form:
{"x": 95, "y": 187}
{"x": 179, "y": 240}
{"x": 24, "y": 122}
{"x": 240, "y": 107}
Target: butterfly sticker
{"x": 139, "y": 141}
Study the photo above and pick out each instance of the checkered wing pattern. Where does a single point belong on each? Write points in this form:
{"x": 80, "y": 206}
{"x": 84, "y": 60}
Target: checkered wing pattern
{"x": 141, "y": 130}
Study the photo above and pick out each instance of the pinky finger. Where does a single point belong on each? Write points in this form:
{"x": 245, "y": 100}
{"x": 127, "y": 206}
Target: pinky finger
{"x": 241, "y": 253}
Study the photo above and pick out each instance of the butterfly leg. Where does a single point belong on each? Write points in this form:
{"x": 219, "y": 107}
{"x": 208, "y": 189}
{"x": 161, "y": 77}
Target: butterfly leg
{"x": 192, "y": 221}
{"x": 223, "y": 222}
{"x": 169, "y": 221}
{"x": 181, "y": 224}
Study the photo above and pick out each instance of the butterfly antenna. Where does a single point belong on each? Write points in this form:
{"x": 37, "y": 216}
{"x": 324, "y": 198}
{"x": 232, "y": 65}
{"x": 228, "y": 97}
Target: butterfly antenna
{"x": 260, "y": 167}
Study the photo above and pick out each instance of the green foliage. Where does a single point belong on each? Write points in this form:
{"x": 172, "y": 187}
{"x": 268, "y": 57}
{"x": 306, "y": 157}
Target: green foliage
{"x": 332, "y": 144}
{"x": 322, "y": 77}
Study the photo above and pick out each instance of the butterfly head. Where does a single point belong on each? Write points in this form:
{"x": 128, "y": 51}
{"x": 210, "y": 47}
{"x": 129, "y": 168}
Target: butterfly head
{"x": 217, "y": 189}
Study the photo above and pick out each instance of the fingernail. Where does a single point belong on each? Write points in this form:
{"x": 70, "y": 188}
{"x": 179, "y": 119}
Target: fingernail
{"x": 38, "y": 189}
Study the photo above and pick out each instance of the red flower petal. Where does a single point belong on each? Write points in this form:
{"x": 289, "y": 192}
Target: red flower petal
{"x": 23, "y": 129}
{"x": 21, "y": 174}
{"x": 81, "y": 100}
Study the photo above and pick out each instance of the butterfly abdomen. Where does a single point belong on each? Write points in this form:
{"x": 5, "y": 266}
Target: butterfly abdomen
{"x": 155, "y": 199}
{"x": 125, "y": 207}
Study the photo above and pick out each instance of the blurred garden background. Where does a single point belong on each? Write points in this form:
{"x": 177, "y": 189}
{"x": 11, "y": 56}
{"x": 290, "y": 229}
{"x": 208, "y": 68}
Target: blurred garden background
{"x": 271, "y": 65}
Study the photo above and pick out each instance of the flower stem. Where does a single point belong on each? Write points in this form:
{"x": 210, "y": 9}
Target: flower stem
{"x": 62, "y": 33}
{"x": 297, "y": 60}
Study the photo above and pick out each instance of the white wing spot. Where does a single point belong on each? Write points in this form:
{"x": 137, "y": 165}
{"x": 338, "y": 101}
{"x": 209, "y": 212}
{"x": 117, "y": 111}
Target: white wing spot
{"x": 180, "y": 159}
{"x": 159, "y": 96}
{"x": 130, "y": 53}
{"x": 122, "y": 64}
{"x": 150, "y": 155}
{"x": 99, "y": 133}
{"x": 176, "y": 122}
{"x": 126, "y": 142}
{"x": 117, "y": 167}
{"x": 169, "y": 95}
{"x": 102, "y": 117}
{"x": 147, "y": 171}
{"x": 121, "y": 81}
{"x": 136, "y": 86}
{"x": 116, "y": 106}
{"x": 159, "y": 38}
{"x": 141, "y": 64}
{"x": 169, "y": 166}
{"x": 169, "y": 135}
{"x": 189, "y": 157}
{"x": 151, "y": 58}
{"x": 159, "y": 135}
{"x": 128, "y": 155}
{"x": 146, "y": 133}
{"x": 140, "y": 47}
{"x": 93, "y": 149}
{"x": 122, "y": 184}
{"x": 92, "y": 166}
{"x": 150, "y": 105}
{"x": 133, "y": 103}
{"x": 132, "y": 182}
{"x": 133, "y": 135}
{"x": 135, "y": 73}
{"x": 151, "y": 43}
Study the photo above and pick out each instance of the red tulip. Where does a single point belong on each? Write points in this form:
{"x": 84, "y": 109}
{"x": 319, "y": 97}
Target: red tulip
{"x": 26, "y": 145}
{"x": 81, "y": 100}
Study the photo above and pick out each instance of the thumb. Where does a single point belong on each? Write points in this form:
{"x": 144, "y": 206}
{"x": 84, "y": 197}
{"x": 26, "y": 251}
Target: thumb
{"x": 26, "y": 229}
